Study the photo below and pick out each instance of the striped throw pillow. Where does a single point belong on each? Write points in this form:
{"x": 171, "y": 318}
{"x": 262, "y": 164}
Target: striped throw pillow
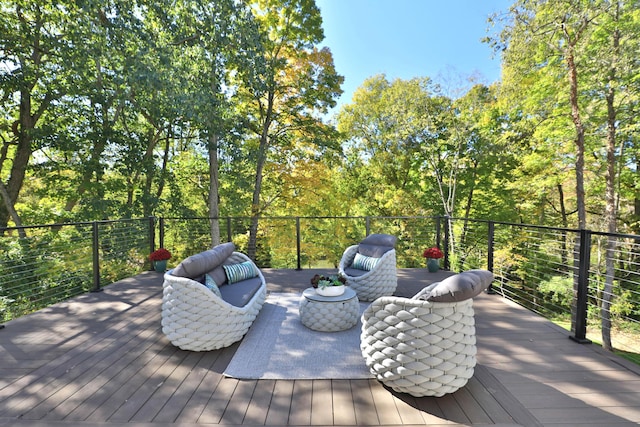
{"x": 239, "y": 272}
{"x": 363, "y": 262}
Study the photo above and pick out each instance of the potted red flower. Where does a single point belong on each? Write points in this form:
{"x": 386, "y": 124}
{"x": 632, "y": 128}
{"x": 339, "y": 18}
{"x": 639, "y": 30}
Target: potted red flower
{"x": 159, "y": 258}
{"x": 433, "y": 255}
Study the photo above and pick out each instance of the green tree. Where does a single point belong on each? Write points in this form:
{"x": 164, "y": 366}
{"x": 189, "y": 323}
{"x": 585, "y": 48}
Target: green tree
{"x": 284, "y": 106}
{"x": 570, "y": 65}
{"x": 396, "y": 144}
{"x": 38, "y": 48}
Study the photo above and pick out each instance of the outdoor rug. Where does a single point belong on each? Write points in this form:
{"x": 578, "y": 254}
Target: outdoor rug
{"x": 279, "y": 346}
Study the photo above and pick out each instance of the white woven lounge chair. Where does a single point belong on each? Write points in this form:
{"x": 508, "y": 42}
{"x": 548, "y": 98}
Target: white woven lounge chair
{"x": 195, "y": 318}
{"x": 380, "y": 280}
{"x": 425, "y": 347}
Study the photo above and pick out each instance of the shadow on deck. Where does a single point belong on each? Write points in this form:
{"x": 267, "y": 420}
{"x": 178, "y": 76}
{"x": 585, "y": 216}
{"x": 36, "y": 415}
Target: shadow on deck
{"x": 101, "y": 359}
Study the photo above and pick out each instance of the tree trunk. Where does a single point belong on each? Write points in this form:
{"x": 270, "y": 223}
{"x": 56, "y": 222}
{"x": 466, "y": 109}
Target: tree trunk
{"x": 12, "y": 212}
{"x": 610, "y": 198}
{"x": 214, "y": 197}
{"x": 579, "y": 142}
{"x": 635, "y": 223}
{"x": 22, "y": 155}
{"x": 257, "y": 189}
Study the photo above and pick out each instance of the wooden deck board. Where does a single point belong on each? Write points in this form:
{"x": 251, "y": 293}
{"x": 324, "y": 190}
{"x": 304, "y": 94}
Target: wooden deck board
{"x": 280, "y": 406}
{"x": 363, "y": 404}
{"x": 301, "y": 403}
{"x": 385, "y": 405}
{"x": 342, "y": 398}
{"x": 321, "y": 403}
{"x": 102, "y": 359}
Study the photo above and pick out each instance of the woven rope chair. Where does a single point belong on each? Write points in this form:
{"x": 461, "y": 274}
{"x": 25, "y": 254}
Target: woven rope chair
{"x": 195, "y": 319}
{"x": 380, "y": 281}
{"x": 425, "y": 345}
{"x": 419, "y": 347}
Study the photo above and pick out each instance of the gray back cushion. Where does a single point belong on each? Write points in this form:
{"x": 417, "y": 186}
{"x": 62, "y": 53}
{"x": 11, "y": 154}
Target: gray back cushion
{"x": 461, "y": 286}
{"x": 218, "y": 275}
{"x": 376, "y": 245}
{"x": 197, "y": 265}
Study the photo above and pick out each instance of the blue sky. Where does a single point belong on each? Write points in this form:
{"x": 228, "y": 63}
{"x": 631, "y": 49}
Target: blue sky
{"x": 409, "y": 38}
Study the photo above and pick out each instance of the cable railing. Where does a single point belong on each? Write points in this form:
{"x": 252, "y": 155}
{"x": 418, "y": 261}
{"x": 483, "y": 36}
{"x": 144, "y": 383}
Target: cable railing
{"x": 558, "y": 273}
{"x": 45, "y": 264}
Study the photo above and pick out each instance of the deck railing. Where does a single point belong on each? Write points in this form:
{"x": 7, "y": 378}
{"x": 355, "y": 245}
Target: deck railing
{"x": 559, "y": 273}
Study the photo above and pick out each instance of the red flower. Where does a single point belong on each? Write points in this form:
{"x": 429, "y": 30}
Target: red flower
{"x": 160, "y": 254}
{"x": 434, "y": 252}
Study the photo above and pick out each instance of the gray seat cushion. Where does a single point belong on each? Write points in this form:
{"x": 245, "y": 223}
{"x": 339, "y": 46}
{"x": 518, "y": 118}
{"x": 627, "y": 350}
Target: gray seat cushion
{"x": 460, "y": 286}
{"x": 195, "y": 266}
{"x": 354, "y": 272}
{"x": 376, "y": 245}
{"x": 240, "y": 293}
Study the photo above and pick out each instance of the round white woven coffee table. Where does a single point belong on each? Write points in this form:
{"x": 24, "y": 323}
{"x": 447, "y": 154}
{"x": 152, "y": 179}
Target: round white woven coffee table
{"x": 329, "y": 314}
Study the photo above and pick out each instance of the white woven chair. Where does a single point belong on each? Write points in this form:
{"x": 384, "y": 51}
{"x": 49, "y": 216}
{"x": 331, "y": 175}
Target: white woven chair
{"x": 421, "y": 347}
{"x": 195, "y": 319}
{"x": 382, "y": 280}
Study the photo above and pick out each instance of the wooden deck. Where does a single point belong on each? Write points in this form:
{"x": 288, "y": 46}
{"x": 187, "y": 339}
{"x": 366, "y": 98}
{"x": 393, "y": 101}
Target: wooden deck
{"x": 101, "y": 359}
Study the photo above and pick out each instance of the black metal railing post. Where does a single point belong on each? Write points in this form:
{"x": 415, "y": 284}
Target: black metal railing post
{"x": 583, "y": 288}
{"x": 96, "y": 257}
{"x": 228, "y": 229}
{"x": 152, "y": 238}
{"x": 152, "y": 234}
{"x": 161, "y": 232}
{"x": 367, "y": 225}
{"x": 438, "y": 231}
{"x": 490, "y": 243}
{"x": 446, "y": 242}
{"x": 298, "y": 245}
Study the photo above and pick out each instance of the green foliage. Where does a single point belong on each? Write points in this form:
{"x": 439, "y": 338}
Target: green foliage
{"x": 558, "y": 290}
{"x": 37, "y": 273}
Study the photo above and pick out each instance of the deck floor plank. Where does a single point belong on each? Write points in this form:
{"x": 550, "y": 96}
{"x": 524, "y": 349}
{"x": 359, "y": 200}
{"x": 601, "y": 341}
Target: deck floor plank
{"x": 472, "y": 407}
{"x": 69, "y": 396}
{"x": 408, "y": 409}
{"x": 136, "y": 398}
{"x": 487, "y": 402}
{"x": 431, "y": 411}
{"x": 363, "y": 404}
{"x": 301, "y": 401}
{"x": 196, "y": 405}
{"x": 280, "y": 407}
{"x": 102, "y": 359}
{"x": 185, "y": 391}
{"x": 385, "y": 404}
{"x": 452, "y": 410}
{"x": 260, "y": 402}
{"x": 115, "y": 378}
{"x": 343, "y": 409}
{"x": 241, "y": 398}
{"x": 215, "y": 408}
{"x": 322, "y": 411}
{"x": 166, "y": 389}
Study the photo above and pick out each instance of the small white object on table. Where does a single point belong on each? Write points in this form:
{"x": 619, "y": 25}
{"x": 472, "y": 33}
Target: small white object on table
{"x": 329, "y": 314}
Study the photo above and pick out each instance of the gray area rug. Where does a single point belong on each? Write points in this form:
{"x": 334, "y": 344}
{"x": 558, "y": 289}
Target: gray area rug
{"x": 279, "y": 346}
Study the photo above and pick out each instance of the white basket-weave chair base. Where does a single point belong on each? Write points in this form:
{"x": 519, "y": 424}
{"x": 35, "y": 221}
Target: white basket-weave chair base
{"x": 195, "y": 319}
{"x": 381, "y": 281}
{"x": 418, "y": 347}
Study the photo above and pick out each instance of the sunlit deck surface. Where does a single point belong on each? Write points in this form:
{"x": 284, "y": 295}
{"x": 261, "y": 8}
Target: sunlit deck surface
{"x": 101, "y": 359}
